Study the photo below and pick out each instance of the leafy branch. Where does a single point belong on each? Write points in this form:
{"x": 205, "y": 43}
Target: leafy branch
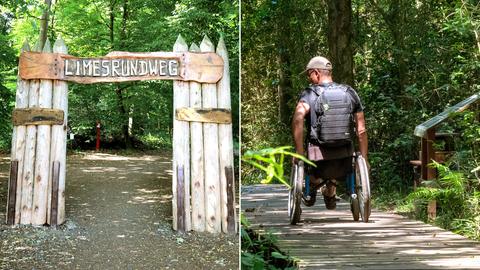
{"x": 271, "y": 161}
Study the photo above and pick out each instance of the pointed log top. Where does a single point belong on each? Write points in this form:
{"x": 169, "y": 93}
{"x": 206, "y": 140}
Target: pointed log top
{"x": 194, "y": 48}
{"x": 221, "y": 48}
{"x": 47, "y": 48}
{"x": 59, "y": 46}
{"x": 180, "y": 45}
{"x": 207, "y": 45}
{"x": 25, "y": 47}
{"x": 36, "y": 47}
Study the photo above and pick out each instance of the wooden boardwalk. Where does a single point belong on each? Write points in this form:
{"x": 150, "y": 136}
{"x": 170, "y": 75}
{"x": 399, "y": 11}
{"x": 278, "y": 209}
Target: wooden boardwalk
{"x": 327, "y": 239}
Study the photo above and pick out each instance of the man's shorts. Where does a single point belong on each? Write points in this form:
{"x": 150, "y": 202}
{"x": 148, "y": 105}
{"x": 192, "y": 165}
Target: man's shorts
{"x": 332, "y": 169}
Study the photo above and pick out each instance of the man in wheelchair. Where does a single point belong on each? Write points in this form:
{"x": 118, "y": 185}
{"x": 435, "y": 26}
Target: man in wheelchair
{"x": 333, "y": 113}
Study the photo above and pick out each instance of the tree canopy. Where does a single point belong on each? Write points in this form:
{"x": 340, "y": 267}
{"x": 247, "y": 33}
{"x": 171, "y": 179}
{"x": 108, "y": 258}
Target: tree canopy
{"x": 135, "y": 113}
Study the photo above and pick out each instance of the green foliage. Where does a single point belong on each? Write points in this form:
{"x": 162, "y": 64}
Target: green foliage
{"x": 259, "y": 251}
{"x": 457, "y": 198}
{"x": 412, "y": 60}
{"x": 271, "y": 161}
{"x": 95, "y": 28}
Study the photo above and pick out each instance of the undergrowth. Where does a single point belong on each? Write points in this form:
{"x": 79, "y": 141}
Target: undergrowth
{"x": 259, "y": 251}
{"x": 457, "y": 198}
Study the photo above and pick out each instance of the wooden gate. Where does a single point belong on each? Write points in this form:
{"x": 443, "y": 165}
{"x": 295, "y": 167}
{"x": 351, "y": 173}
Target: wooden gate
{"x": 203, "y": 183}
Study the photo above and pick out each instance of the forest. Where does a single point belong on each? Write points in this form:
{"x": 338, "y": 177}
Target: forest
{"x": 114, "y": 207}
{"x": 408, "y": 61}
{"x": 133, "y": 114}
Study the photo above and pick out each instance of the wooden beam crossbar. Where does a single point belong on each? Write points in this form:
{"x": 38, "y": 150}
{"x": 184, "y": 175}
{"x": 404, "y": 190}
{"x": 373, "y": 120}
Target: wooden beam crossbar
{"x": 37, "y": 116}
{"x": 218, "y": 116}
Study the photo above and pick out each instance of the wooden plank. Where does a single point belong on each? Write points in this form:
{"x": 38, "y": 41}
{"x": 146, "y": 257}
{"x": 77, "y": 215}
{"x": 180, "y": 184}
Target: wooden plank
{"x": 37, "y": 116}
{"x": 29, "y": 161}
{"x": 219, "y": 116}
{"x": 18, "y": 137}
{"x": 12, "y": 192}
{"x": 180, "y": 199}
{"x": 123, "y": 66}
{"x": 329, "y": 239}
{"x": 53, "y": 221}
{"x": 58, "y": 151}
{"x": 42, "y": 155}
{"x": 181, "y": 141}
{"x": 210, "y": 142}
{"x": 197, "y": 161}
{"x": 226, "y": 146}
{"x": 231, "y": 217}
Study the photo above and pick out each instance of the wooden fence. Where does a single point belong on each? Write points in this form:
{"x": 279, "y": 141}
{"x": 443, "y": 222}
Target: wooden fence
{"x": 203, "y": 182}
{"x": 37, "y": 175}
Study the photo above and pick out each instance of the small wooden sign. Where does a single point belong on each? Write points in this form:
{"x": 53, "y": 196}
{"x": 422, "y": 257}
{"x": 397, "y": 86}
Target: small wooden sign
{"x": 122, "y": 66}
{"x": 219, "y": 116}
{"x": 37, "y": 116}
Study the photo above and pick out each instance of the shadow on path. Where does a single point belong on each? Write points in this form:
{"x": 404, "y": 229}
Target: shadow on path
{"x": 118, "y": 211}
{"x": 332, "y": 240}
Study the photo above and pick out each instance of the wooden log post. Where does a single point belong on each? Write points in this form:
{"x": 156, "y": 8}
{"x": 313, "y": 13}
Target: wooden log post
{"x": 53, "y": 206}
{"x": 197, "y": 161}
{"x": 428, "y": 154}
{"x": 29, "y": 158}
{"x": 210, "y": 141}
{"x": 12, "y": 195}
{"x": 58, "y": 151}
{"x": 18, "y": 141}
{"x": 42, "y": 156}
{"x": 180, "y": 203}
{"x": 181, "y": 143}
{"x": 428, "y": 173}
{"x": 226, "y": 147}
{"x": 432, "y": 210}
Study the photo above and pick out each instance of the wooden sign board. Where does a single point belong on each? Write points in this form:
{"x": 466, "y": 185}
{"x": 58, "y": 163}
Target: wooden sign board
{"x": 219, "y": 116}
{"x": 37, "y": 116}
{"x": 122, "y": 66}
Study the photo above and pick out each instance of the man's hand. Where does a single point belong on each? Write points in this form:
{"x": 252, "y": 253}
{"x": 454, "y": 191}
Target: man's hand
{"x": 296, "y": 160}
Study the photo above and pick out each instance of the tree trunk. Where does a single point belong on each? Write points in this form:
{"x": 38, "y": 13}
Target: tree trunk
{"x": 397, "y": 28}
{"x": 284, "y": 88}
{"x": 44, "y": 23}
{"x": 124, "y": 111}
{"x": 123, "y": 116}
{"x": 339, "y": 40}
{"x": 112, "y": 25}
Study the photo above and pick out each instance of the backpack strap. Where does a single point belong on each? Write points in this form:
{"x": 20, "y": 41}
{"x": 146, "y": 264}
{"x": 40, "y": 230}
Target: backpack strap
{"x": 319, "y": 91}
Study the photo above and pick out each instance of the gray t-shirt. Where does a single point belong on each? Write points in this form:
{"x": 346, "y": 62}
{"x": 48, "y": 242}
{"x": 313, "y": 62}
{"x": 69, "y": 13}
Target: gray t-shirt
{"x": 323, "y": 152}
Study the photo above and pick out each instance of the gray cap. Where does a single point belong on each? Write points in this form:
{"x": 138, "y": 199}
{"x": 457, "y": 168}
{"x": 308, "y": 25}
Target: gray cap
{"x": 319, "y": 62}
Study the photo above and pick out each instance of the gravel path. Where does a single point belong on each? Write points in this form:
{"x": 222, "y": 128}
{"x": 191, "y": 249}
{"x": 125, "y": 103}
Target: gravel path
{"x": 118, "y": 212}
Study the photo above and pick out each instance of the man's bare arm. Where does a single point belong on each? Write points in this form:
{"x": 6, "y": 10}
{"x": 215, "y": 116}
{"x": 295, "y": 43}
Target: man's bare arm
{"x": 362, "y": 134}
{"x": 297, "y": 125}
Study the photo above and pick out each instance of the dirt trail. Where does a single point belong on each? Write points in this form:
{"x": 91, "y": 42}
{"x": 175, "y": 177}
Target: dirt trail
{"x": 118, "y": 212}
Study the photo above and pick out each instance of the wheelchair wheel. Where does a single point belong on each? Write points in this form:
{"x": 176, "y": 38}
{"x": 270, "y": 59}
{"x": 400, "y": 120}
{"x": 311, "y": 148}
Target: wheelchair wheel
{"x": 355, "y": 208}
{"x": 362, "y": 183}
{"x": 295, "y": 194}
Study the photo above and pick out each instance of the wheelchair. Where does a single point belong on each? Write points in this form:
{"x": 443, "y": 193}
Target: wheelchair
{"x": 357, "y": 184}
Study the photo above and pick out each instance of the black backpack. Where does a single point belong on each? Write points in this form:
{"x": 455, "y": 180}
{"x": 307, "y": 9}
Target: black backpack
{"x": 333, "y": 109}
